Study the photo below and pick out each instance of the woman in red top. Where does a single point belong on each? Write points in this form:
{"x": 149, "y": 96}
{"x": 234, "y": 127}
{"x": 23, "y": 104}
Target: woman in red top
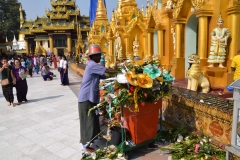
{"x": 54, "y": 59}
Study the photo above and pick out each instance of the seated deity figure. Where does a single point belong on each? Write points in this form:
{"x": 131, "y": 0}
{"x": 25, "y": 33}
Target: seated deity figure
{"x": 118, "y": 46}
{"x": 136, "y": 47}
{"x": 169, "y": 5}
{"x": 218, "y": 44}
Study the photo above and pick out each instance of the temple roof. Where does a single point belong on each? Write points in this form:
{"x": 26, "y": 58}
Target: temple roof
{"x": 62, "y": 16}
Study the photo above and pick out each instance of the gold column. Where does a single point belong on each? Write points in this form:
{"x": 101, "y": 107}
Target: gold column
{"x": 160, "y": 43}
{"x": 69, "y": 43}
{"x": 150, "y": 42}
{"x": 179, "y": 40}
{"x": 235, "y": 43}
{"x": 126, "y": 36}
{"x": 51, "y": 43}
{"x": 203, "y": 36}
{"x": 110, "y": 49}
{"x": 27, "y": 46}
{"x": 145, "y": 46}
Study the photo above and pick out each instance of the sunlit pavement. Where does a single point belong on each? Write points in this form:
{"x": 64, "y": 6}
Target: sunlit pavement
{"x": 47, "y": 126}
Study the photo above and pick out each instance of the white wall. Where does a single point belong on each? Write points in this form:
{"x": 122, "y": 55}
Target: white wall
{"x": 191, "y": 38}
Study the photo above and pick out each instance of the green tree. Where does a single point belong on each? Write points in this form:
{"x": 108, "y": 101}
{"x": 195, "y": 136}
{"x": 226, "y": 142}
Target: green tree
{"x": 10, "y": 18}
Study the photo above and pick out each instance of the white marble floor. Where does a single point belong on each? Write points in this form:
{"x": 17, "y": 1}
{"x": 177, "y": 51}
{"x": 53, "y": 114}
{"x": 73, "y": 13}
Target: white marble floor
{"x": 44, "y": 128}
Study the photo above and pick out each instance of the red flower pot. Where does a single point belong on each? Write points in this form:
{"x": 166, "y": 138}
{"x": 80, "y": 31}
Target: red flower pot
{"x": 143, "y": 125}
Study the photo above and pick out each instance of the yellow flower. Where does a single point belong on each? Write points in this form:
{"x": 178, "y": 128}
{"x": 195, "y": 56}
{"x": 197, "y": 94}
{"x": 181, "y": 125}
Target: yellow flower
{"x": 131, "y": 78}
{"x": 160, "y": 79}
{"x": 144, "y": 81}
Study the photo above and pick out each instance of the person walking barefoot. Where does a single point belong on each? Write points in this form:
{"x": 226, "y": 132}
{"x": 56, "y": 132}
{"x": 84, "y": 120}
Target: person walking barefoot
{"x": 7, "y": 82}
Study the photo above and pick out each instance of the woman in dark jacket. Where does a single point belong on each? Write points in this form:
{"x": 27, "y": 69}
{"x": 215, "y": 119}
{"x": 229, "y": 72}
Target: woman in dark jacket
{"x": 20, "y": 73}
{"x": 7, "y": 89}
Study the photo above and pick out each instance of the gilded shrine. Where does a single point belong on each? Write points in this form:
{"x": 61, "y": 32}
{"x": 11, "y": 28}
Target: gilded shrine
{"x": 171, "y": 30}
{"x": 62, "y": 31}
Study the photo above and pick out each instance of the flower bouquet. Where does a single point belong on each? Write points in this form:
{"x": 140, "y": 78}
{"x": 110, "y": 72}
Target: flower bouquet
{"x": 135, "y": 93}
{"x": 134, "y": 85}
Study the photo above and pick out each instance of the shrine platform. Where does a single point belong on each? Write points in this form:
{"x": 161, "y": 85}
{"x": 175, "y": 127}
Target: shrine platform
{"x": 215, "y": 91}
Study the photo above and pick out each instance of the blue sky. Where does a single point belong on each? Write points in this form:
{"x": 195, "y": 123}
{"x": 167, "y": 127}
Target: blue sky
{"x": 34, "y": 8}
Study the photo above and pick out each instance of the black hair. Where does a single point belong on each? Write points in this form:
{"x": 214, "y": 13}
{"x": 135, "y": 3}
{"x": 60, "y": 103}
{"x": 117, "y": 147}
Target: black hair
{"x": 4, "y": 58}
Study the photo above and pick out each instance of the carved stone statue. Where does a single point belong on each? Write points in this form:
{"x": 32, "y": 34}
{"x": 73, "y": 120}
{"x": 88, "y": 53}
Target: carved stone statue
{"x": 220, "y": 36}
{"x": 119, "y": 54}
{"x": 136, "y": 47}
{"x": 174, "y": 39}
{"x": 169, "y": 5}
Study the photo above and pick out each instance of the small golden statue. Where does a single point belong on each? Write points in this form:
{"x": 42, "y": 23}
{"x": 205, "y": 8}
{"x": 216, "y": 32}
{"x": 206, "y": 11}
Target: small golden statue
{"x": 118, "y": 46}
{"x": 136, "y": 47}
{"x": 169, "y": 5}
{"x": 219, "y": 44}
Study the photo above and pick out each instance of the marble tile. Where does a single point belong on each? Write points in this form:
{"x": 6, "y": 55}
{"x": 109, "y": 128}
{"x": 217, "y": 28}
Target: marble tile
{"x": 66, "y": 152}
{"x": 46, "y": 142}
{"x": 30, "y": 149}
{"x": 76, "y": 156}
{"x": 3, "y": 128}
{"x": 54, "y": 157}
{"x": 24, "y": 131}
{"x": 40, "y": 154}
{"x": 18, "y": 155}
{"x": 55, "y": 147}
{"x": 7, "y": 150}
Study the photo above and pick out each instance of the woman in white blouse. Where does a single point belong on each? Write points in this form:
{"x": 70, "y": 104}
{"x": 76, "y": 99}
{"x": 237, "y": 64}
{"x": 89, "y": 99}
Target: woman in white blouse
{"x": 64, "y": 76}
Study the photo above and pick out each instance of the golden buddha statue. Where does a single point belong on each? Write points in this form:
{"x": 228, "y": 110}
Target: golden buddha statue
{"x": 218, "y": 44}
{"x": 136, "y": 47}
{"x": 118, "y": 46}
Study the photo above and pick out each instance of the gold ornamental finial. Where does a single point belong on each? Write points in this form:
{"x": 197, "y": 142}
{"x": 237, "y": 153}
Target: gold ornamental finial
{"x": 148, "y": 2}
{"x": 101, "y": 10}
{"x": 113, "y": 16}
{"x": 21, "y": 16}
{"x": 142, "y": 9}
{"x": 220, "y": 18}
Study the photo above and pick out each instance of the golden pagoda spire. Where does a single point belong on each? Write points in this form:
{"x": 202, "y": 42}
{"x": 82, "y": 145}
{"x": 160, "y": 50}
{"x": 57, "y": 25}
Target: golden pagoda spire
{"x": 21, "y": 16}
{"x": 119, "y": 8}
{"x": 101, "y": 10}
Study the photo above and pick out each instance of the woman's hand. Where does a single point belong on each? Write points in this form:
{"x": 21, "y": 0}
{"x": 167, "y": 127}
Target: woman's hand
{"x": 14, "y": 81}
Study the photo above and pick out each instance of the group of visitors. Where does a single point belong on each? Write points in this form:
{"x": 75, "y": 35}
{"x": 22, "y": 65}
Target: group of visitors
{"x": 14, "y": 71}
{"x": 14, "y": 75}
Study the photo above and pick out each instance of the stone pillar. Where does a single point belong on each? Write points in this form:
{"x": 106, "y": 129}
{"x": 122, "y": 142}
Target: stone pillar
{"x": 203, "y": 37}
{"x": 179, "y": 40}
{"x": 160, "y": 43}
{"x": 27, "y": 46}
{"x": 150, "y": 41}
{"x": 69, "y": 43}
{"x": 51, "y": 42}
